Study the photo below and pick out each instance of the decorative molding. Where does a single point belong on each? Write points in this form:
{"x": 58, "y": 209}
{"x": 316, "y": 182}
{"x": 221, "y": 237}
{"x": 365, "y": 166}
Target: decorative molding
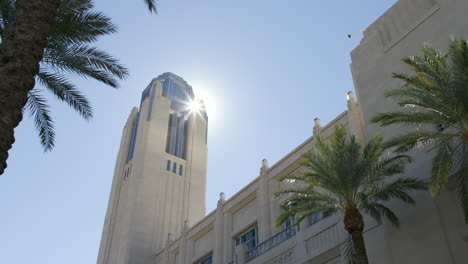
{"x": 284, "y": 258}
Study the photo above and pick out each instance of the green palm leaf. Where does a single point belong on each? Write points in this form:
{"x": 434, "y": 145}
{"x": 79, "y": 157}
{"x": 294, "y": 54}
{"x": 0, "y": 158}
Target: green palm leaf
{"x": 69, "y": 51}
{"x": 435, "y": 97}
{"x": 39, "y": 110}
{"x": 152, "y": 6}
{"x": 343, "y": 175}
{"x": 67, "y": 92}
{"x": 87, "y": 62}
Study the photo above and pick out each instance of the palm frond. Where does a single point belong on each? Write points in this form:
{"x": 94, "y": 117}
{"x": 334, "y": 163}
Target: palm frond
{"x": 442, "y": 164}
{"x": 409, "y": 117}
{"x": 431, "y": 65}
{"x": 302, "y": 210}
{"x": 378, "y": 210}
{"x": 39, "y": 110}
{"x": 76, "y": 5}
{"x": 304, "y": 197}
{"x": 349, "y": 251}
{"x": 381, "y": 169}
{"x": 344, "y": 175}
{"x": 397, "y": 189}
{"x": 435, "y": 94}
{"x": 461, "y": 177}
{"x": 317, "y": 164}
{"x": 417, "y": 138}
{"x": 77, "y": 24}
{"x": 392, "y": 165}
{"x": 373, "y": 149}
{"x": 66, "y": 91}
{"x": 152, "y": 6}
{"x": 304, "y": 214}
{"x": 293, "y": 177}
{"x": 298, "y": 192}
{"x": 459, "y": 57}
{"x": 88, "y": 62}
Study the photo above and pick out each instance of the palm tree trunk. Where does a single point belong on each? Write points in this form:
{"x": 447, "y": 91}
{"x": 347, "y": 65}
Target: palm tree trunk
{"x": 360, "y": 253}
{"x": 354, "y": 224}
{"x": 20, "y": 53}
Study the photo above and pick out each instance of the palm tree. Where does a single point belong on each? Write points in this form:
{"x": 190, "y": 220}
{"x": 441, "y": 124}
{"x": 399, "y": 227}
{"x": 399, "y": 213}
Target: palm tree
{"x": 68, "y": 51}
{"x": 435, "y": 101}
{"x": 343, "y": 176}
{"x": 25, "y": 37}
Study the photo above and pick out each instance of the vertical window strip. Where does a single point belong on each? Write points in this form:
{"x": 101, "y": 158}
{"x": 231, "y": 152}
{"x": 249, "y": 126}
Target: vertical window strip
{"x": 168, "y": 137}
{"x": 180, "y": 137}
{"x": 133, "y": 137}
{"x": 186, "y": 134}
{"x": 174, "y": 168}
{"x": 173, "y": 134}
{"x": 177, "y": 91}
{"x": 150, "y": 107}
{"x": 181, "y": 167}
{"x": 168, "y": 165}
{"x": 206, "y": 132}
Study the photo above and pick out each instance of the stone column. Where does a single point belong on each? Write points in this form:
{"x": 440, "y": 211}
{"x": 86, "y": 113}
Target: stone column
{"x": 228, "y": 240}
{"x": 300, "y": 251}
{"x": 219, "y": 231}
{"x": 184, "y": 247}
{"x": 263, "y": 204}
{"x": 166, "y": 256}
{"x": 189, "y": 251}
{"x": 355, "y": 121}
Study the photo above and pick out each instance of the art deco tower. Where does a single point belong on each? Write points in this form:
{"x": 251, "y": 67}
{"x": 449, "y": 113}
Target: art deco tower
{"x": 160, "y": 174}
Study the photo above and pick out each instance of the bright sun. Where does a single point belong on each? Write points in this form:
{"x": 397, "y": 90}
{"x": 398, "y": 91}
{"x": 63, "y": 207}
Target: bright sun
{"x": 206, "y": 99}
{"x": 195, "y": 106}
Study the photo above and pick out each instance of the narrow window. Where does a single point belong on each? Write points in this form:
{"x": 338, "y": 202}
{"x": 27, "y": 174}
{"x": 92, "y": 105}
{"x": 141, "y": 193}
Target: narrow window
{"x": 174, "y": 168}
{"x": 181, "y": 169}
{"x": 168, "y": 165}
{"x": 249, "y": 238}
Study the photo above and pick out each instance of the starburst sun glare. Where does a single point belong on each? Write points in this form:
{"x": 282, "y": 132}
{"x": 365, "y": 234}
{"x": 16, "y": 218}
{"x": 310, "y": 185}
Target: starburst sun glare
{"x": 195, "y": 106}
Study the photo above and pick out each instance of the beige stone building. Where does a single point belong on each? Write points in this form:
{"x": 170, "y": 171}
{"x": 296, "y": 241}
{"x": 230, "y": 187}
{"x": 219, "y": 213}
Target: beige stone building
{"x": 160, "y": 173}
{"x": 156, "y": 216}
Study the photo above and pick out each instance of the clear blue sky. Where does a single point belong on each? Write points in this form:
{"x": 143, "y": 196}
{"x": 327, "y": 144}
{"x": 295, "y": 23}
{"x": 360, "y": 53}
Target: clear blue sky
{"x": 268, "y": 69}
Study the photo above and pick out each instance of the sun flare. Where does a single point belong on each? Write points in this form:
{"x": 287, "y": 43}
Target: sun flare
{"x": 195, "y": 106}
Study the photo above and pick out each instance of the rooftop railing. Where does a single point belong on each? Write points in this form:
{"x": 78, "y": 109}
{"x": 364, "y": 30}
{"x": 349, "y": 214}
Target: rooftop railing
{"x": 270, "y": 243}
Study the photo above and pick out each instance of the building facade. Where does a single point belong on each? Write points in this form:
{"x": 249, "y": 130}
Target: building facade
{"x": 242, "y": 228}
{"x": 158, "y": 181}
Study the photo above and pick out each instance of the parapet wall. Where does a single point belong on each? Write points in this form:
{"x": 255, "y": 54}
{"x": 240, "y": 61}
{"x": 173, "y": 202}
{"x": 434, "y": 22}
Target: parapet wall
{"x": 400, "y": 20}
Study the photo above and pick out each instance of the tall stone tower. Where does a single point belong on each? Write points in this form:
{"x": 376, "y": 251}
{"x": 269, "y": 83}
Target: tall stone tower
{"x": 160, "y": 174}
